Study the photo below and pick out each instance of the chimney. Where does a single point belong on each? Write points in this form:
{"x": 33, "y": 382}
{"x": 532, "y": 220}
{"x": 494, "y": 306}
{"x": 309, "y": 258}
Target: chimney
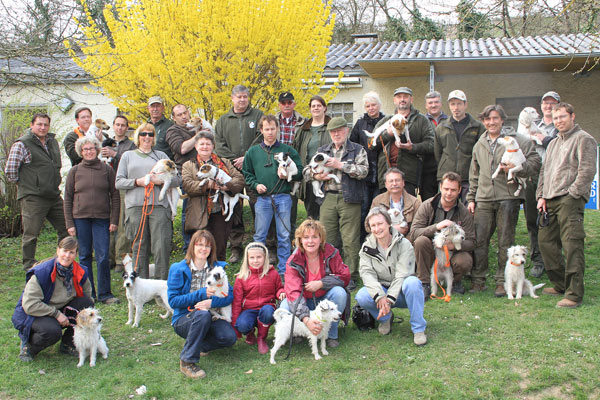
{"x": 360, "y": 38}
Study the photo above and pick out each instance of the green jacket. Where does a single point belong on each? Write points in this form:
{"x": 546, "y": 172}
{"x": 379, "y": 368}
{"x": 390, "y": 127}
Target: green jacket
{"x": 69, "y": 144}
{"x": 162, "y": 126}
{"x": 481, "y": 185}
{"x": 409, "y": 161}
{"x": 451, "y": 155}
{"x": 235, "y": 133}
{"x": 41, "y": 177}
{"x": 301, "y": 140}
{"x": 256, "y": 171}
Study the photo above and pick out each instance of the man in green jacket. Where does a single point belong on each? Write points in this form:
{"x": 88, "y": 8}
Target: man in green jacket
{"x": 235, "y": 132}
{"x": 156, "y": 109}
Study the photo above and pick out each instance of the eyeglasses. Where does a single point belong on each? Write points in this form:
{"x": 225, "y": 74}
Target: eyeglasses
{"x": 151, "y": 134}
{"x": 88, "y": 149}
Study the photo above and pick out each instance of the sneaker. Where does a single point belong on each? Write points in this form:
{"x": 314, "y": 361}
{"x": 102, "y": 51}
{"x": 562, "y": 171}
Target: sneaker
{"x": 426, "y": 291}
{"x": 333, "y": 343}
{"x": 420, "y": 338}
{"x": 111, "y": 300}
{"x": 552, "y": 292}
{"x": 25, "y": 354}
{"x": 566, "y": 303}
{"x": 191, "y": 370}
{"x": 386, "y": 327}
{"x": 68, "y": 349}
{"x": 235, "y": 256}
{"x": 537, "y": 271}
{"x": 351, "y": 285}
{"x": 458, "y": 288}
{"x": 500, "y": 292}
{"x": 477, "y": 288}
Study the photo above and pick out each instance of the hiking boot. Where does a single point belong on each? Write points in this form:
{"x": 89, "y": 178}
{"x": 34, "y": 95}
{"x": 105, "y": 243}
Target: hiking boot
{"x": 537, "y": 271}
{"x": 458, "y": 288}
{"x": 477, "y": 288}
{"x": 111, "y": 300}
{"x": 500, "y": 292}
{"x": 333, "y": 343}
{"x": 386, "y": 327}
{"x": 235, "y": 256}
{"x": 191, "y": 370}
{"x": 25, "y": 353}
{"x": 68, "y": 349}
{"x": 420, "y": 338}
{"x": 426, "y": 291}
{"x": 551, "y": 291}
{"x": 566, "y": 303}
{"x": 351, "y": 285}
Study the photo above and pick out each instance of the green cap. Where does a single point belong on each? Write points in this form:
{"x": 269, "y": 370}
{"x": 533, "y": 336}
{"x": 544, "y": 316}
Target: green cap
{"x": 337, "y": 122}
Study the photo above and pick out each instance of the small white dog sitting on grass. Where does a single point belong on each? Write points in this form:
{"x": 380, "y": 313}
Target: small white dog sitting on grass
{"x": 514, "y": 274}
{"x": 87, "y": 336}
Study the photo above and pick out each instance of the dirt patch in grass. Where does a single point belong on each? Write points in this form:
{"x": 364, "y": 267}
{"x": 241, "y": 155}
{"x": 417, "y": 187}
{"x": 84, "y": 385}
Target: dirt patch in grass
{"x": 553, "y": 392}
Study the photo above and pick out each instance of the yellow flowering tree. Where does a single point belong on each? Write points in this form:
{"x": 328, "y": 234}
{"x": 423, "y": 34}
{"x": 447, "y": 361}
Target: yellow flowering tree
{"x": 194, "y": 51}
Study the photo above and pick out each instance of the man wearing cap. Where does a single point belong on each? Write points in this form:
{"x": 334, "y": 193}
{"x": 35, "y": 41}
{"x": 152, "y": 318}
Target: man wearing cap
{"x": 564, "y": 188}
{"x": 408, "y": 155}
{"x": 454, "y": 140}
{"x": 549, "y": 100}
{"x": 235, "y": 132}
{"x": 156, "y": 109}
{"x": 340, "y": 209}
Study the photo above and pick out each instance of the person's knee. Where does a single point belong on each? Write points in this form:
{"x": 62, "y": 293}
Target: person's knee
{"x": 227, "y": 336}
{"x": 362, "y": 297}
{"x": 412, "y": 284}
{"x": 338, "y": 295}
{"x": 462, "y": 262}
{"x": 423, "y": 243}
{"x": 265, "y": 315}
{"x": 244, "y": 325}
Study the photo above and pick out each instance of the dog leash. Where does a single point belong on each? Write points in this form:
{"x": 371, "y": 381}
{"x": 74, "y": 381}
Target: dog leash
{"x": 435, "y": 268}
{"x": 148, "y": 192}
{"x": 297, "y": 303}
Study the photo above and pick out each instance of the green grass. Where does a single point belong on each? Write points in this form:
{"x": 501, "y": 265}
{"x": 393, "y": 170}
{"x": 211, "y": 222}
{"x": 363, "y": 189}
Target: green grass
{"x": 479, "y": 347}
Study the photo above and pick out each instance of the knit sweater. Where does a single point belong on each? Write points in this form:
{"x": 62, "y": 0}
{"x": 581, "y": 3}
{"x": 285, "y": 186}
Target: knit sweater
{"x": 256, "y": 171}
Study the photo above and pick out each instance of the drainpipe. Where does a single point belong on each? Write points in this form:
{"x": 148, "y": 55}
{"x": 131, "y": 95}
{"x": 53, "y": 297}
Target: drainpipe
{"x": 431, "y": 77}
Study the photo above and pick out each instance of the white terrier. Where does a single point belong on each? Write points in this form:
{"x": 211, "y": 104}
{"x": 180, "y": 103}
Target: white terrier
{"x": 287, "y": 168}
{"x": 166, "y": 170}
{"x": 527, "y": 124}
{"x": 514, "y": 274}
{"x": 455, "y": 235}
{"x": 140, "y": 291}
{"x": 317, "y": 166}
{"x": 209, "y": 172}
{"x": 87, "y": 336}
{"x": 399, "y": 125}
{"x": 397, "y": 217}
{"x": 217, "y": 280}
{"x": 512, "y": 155}
{"x": 326, "y": 312}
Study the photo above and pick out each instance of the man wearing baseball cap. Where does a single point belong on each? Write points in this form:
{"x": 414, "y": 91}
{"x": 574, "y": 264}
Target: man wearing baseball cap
{"x": 454, "y": 140}
{"x": 340, "y": 208}
{"x": 408, "y": 155}
{"x": 549, "y": 100}
{"x": 156, "y": 109}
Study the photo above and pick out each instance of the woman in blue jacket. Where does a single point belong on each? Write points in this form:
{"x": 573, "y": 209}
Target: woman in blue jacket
{"x": 191, "y": 299}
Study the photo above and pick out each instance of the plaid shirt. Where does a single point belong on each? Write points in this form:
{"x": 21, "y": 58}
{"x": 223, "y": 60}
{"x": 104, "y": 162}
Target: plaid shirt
{"x": 198, "y": 277}
{"x": 287, "y": 126}
{"x": 18, "y": 155}
{"x": 353, "y": 169}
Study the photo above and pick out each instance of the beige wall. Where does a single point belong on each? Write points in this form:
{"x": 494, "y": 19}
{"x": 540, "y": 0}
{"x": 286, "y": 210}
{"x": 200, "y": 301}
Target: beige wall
{"x": 582, "y": 92}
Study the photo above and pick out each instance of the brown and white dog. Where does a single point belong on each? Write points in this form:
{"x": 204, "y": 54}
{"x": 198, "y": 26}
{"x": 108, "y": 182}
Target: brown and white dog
{"x": 87, "y": 336}
{"x": 515, "y": 282}
{"x": 166, "y": 170}
{"x": 317, "y": 166}
{"x": 197, "y": 124}
{"x": 208, "y": 172}
{"x": 455, "y": 235}
{"x": 399, "y": 125}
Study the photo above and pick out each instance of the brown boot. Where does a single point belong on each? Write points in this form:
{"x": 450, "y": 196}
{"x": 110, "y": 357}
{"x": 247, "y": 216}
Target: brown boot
{"x": 567, "y": 303}
{"x": 500, "y": 291}
{"x": 250, "y": 338}
{"x": 551, "y": 291}
{"x": 191, "y": 370}
{"x": 263, "y": 332}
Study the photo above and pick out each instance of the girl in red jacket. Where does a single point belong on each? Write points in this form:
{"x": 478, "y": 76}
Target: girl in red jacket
{"x": 257, "y": 288}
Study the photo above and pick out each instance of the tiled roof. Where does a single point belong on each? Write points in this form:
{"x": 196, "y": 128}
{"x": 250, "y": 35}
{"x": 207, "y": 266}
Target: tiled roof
{"x": 348, "y": 56}
{"x": 55, "y": 68}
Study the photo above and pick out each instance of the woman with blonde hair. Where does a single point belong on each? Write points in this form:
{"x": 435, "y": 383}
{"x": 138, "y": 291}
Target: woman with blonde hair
{"x": 255, "y": 293}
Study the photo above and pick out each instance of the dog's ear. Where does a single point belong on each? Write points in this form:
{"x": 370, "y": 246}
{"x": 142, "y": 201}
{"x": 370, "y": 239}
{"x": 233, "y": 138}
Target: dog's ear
{"x": 124, "y": 274}
{"x": 134, "y": 274}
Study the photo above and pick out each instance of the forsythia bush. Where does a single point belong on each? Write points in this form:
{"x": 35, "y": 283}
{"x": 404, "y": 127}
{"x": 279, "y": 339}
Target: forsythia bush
{"x": 194, "y": 51}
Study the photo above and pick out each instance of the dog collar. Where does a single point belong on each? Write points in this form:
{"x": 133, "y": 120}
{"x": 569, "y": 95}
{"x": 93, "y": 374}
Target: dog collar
{"x": 512, "y": 151}
{"x": 516, "y": 265}
{"x": 319, "y": 318}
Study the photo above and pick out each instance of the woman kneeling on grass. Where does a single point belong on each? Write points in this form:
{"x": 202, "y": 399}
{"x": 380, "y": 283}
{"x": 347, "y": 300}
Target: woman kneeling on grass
{"x": 191, "y": 299}
{"x": 55, "y": 288}
{"x": 387, "y": 268}
{"x": 315, "y": 271}
{"x": 256, "y": 290}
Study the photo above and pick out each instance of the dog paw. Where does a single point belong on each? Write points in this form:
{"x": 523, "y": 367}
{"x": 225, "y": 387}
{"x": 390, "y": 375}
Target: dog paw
{"x": 135, "y": 326}
{"x": 510, "y": 297}
{"x": 325, "y": 352}
{"x": 272, "y": 362}
{"x": 92, "y": 364}
{"x": 318, "y": 357}
{"x": 79, "y": 365}
{"x": 128, "y": 322}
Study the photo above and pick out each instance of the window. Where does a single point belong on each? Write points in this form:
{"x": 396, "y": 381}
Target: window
{"x": 344, "y": 110}
{"x": 514, "y": 105}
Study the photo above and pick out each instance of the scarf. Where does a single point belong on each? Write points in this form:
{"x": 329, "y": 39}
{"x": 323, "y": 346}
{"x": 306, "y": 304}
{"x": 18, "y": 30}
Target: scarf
{"x": 66, "y": 273}
{"x": 78, "y": 132}
{"x": 221, "y": 165}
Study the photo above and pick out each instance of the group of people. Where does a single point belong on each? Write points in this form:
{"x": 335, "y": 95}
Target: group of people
{"x": 440, "y": 175}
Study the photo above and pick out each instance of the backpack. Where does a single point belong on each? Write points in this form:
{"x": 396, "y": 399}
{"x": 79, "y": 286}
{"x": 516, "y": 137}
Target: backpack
{"x": 362, "y": 318}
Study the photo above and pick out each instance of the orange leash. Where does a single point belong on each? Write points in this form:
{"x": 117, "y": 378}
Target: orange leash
{"x": 387, "y": 158}
{"x": 435, "y": 267}
{"x": 148, "y": 192}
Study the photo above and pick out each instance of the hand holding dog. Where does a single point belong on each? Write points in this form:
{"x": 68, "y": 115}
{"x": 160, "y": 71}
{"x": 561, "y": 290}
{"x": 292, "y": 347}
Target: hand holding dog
{"x": 506, "y": 167}
{"x": 334, "y": 163}
{"x": 313, "y": 325}
{"x": 442, "y": 224}
{"x": 62, "y": 319}
{"x": 108, "y": 152}
{"x": 404, "y": 146}
{"x": 203, "y": 305}
{"x": 313, "y": 286}
{"x": 282, "y": 296}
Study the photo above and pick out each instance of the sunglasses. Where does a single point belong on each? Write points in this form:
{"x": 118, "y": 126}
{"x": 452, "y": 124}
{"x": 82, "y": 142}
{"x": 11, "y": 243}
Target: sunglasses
{"x": 151, "y": 134}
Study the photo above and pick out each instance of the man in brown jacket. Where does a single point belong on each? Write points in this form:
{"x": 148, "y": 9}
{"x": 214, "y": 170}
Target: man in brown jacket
{"x": 563, "y": 189}
{"x": 397, "y": 197}
{"x": 434, "y": 215}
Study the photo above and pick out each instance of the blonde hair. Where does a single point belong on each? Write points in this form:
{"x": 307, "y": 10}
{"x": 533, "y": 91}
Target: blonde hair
{"x": 245, "y": 268}
{"x": 143, "y": 127}
{"x": 305, "y": 226}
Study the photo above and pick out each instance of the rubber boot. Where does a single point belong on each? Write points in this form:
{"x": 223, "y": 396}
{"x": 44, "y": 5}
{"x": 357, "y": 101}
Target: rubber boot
{"x": 250, "y": 338}
{"x": 263, "y": 332}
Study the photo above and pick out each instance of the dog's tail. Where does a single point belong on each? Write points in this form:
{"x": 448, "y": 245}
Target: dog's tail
{"x": 280, "y": 313}
{"x": 536, "y": 287}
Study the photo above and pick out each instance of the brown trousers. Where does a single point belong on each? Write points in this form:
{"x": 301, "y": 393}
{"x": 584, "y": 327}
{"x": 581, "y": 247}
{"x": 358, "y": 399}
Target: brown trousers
{"x": 461, "y": 261}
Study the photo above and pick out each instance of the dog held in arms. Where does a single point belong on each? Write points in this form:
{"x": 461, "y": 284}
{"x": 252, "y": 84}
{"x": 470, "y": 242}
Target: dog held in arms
{"x": 87, "y": 336}
{"x": 512, "y": 155}
{"x": 514, "y": 274}
{"x": 527, "y": 125}
{"x": 287, "y": 168}
{"x": 217, "y": 280}
{"x": 452, "y": 234}
{"x": 326, "y": 312}
{"x": 399, "y": 125}
{"x": 166, "y": 170}
{"x": 317, "y": 166}
{"x": 208, "y": 172}
{"x": 140, "y": 291}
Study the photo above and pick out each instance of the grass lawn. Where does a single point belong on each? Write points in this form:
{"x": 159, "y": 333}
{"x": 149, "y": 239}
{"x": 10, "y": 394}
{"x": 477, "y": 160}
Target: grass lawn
{"x": 479, "y": 347}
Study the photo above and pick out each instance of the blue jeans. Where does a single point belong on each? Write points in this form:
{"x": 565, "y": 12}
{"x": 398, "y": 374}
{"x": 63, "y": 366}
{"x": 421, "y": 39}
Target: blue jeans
{"x": 264, "y": 213}
{"x": 92, "y": 233}
{"x": 337, "y": 294}
{"x": 246, "y": 321}
{"x": 186, "y": 236}
{"x": 411, "y": 297}
{"x": 202, "y": 334}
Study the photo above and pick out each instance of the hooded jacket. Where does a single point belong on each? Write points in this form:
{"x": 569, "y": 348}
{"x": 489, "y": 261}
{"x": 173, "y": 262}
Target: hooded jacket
{"x": 255, "y": 292}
